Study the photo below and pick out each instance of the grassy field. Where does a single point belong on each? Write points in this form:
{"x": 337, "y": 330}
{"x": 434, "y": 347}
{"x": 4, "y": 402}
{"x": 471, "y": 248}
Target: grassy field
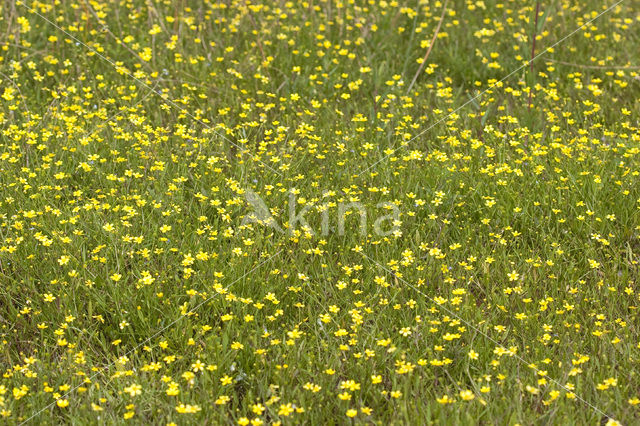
{"x": 319, "y": 212}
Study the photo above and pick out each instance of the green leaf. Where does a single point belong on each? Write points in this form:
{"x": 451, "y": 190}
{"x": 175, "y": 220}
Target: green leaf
{"x": 545, "y": 15}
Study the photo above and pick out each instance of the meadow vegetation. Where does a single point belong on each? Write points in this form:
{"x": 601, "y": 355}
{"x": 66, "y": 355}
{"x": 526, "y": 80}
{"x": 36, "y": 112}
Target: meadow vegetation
{"x": 134, "y": 289}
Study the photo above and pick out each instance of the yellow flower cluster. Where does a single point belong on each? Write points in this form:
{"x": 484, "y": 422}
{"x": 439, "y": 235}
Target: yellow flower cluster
{"x": 187, "y": 190}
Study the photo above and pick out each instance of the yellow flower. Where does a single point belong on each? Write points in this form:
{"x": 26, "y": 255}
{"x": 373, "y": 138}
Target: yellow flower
{"x": 445, "y": 400}
{"x": 285, "y": 410}
{"x": 134, "y": 389}
{"x": 467, "y": 395}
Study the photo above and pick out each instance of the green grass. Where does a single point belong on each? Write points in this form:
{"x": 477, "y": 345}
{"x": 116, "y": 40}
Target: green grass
{"x": 133, "y": 288}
